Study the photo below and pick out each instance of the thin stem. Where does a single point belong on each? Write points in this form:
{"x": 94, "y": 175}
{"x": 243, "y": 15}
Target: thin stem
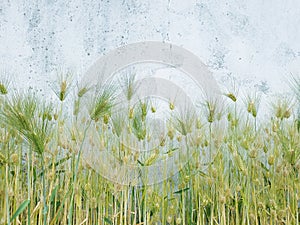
{"x": 75, "y": 172}
{"x": 29, "y": 161}
{"x": 45, "y": 207}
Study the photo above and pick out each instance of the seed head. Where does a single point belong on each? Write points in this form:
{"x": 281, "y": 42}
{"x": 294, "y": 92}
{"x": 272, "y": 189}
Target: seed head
{"x": 265, "y": 148}
{"x": 3, "y": 90}
{"x": 153, "y": 109}
{"x": 82, "y": 91}
{"x": 253, "y": 153}
{"x": 231, "y": 96}
{"x": 171, "y": 134}
{"x": 254, "y": 112}
{"x": 169, "y": 219}
{"x": 178, "y": 220}
{"x": 131, "y": 113}
{"x": 250, "y": 106}
{"x": 162, "y": 142}
{"x": 179, "y": 138}
{"x": 222, "y": 199}
{"x": 198, "y": 124}
{"x": 287, "y": 114}
{"x": 273, "y": 203}
{"x": 106, "y": 119}
{"x": 271, "y": 160}
{"x": 171, "y": 105}
{"x": 14, "y": 158}
{"x": 252, "y": 217}
{"x": 229, "y": 116}
{"x": 214, "y": 173}
{"x": 261, "y": 205}
{"x": 144, "y": 109}
{"x": 275, "y": 127}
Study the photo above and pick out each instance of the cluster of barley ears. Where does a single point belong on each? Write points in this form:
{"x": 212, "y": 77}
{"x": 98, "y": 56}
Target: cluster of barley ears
{"x": 238, "y": 170}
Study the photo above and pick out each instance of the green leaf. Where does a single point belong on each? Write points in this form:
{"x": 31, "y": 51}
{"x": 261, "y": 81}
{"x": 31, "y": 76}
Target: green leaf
{"x": 61, "y": 161}
{"x": 142, "y": 164}
{"x": 21, "y": 208}
{"x": 171, "y": 150}
{"x": 263, "y": 166}
{"x": 108, "y": 220}
{"x": 182, "y": 190}
{"x": 53, "y": 194}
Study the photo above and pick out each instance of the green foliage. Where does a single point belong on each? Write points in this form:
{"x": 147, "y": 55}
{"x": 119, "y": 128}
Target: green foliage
{"x": 103, "y": 103}
{"x": 31, "y": 118}
{"x": 239, "y": 171}
{"x": 20, "y": 210}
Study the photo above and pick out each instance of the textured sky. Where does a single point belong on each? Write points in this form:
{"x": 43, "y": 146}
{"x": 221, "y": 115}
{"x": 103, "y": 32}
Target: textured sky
{"x": 257, "y": 41}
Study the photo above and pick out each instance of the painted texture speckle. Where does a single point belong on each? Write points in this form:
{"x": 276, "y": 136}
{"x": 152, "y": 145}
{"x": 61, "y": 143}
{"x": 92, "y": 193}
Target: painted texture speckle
{"x": 255, "y": 41}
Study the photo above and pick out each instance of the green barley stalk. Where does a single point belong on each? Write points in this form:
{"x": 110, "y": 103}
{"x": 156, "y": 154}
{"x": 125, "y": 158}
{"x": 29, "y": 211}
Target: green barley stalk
{"x": 263, "y": 187}
{"x": 30, "y": 118}
{"x": 101, "y": 106}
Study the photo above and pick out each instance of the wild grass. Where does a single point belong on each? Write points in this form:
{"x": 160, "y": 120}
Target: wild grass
{"x": 239, "y": 170}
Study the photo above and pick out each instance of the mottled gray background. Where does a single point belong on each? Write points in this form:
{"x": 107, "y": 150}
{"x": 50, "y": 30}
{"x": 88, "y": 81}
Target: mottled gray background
{"x": 256, "y": 41}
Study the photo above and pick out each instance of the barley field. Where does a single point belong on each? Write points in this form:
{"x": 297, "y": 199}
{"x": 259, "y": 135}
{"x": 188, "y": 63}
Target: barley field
{"x": 237, "y": 169}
